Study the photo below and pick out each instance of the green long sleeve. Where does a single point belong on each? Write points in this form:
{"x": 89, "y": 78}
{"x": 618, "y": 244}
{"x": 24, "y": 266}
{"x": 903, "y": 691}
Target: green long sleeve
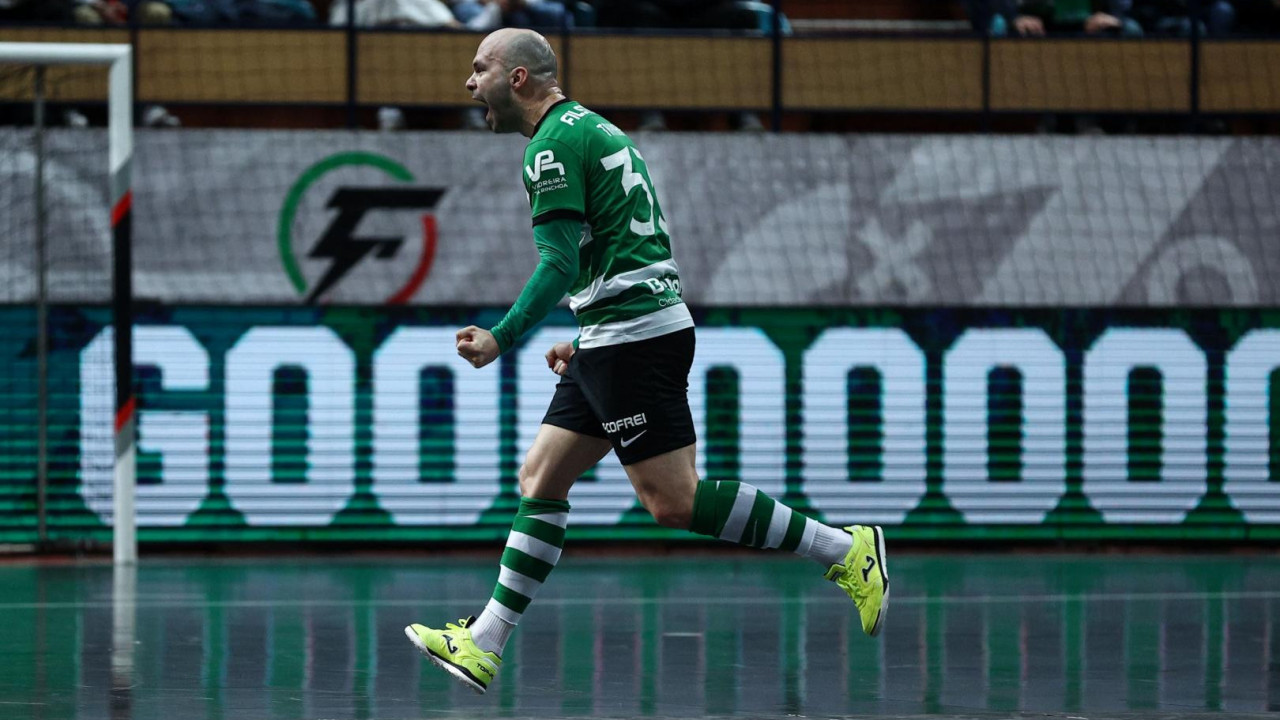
{"x": 557, "y": 242}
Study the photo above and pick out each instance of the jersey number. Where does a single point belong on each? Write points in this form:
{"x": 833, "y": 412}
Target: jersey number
{"x": 631, "y": 179}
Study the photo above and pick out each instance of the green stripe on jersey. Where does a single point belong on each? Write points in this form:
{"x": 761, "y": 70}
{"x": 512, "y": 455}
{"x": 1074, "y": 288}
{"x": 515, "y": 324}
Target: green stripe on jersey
{"x": 631, "y": 304}
{"x": 658, "y": 278}
{"x": 654, "y": 324}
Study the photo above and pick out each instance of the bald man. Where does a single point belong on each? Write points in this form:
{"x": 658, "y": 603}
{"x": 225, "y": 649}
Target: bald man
{"x": 602, "y": 239}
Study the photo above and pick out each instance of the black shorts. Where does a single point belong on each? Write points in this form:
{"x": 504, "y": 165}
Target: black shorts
{"x": 635, "y": 394}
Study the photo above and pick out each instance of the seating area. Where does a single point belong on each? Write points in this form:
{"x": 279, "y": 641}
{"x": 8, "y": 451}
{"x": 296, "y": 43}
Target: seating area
{"x": 1147, "y": 18}
{"x": 915, "y": 65}
{"x": 999, "y": 18}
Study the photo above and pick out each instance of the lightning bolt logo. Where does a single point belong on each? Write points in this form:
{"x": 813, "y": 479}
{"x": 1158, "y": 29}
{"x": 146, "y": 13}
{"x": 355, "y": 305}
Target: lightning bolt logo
{"x": 343, "y": 248}
{"x": 341, "y": 244}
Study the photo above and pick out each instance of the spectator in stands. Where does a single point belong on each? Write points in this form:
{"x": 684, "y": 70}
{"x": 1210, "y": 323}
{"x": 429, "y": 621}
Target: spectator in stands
{"x": 489, "y": 15}
{"x": 1036, "y": 18}
{"x": 275, "y": 12}
{"x": 121, "y": 12}
{"x": 196, "y": 12}
{"x": 118, "y": 12}
{"x": 396, "y": 13}
{"x": 1172, "y": 18}
{"x": 679, "y": 15}
{"x": 675, "y": 14}
{"x": 45, "y": 11}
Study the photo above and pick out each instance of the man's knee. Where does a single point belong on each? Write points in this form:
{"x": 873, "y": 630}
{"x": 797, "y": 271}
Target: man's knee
{"x": 537, "y": 482}
{"x": 668, "y": 508}
{"x": 528, "y": 481}
{"x": 670, "y": 515}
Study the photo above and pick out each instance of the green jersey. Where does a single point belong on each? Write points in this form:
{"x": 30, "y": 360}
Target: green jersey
{"x": 579, "y": 166}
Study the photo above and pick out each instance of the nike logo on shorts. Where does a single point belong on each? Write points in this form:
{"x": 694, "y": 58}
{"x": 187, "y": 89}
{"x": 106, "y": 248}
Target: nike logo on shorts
{"x": 627, "y": 441}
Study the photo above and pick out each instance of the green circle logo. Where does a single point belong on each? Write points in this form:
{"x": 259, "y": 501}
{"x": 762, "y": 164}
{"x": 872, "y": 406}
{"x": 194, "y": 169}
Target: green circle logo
{"x": 339, "y": 246}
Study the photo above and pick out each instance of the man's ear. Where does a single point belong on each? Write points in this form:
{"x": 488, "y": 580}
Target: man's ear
{"x": 518, "y": 77}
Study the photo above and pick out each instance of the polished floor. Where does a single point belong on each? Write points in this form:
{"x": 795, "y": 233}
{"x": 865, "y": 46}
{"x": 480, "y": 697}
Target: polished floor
{"x": 752, "y": 635}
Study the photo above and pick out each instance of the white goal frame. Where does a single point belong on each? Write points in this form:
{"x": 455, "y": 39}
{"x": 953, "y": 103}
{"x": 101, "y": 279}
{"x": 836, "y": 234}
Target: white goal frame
{"x": 119, "y": 60}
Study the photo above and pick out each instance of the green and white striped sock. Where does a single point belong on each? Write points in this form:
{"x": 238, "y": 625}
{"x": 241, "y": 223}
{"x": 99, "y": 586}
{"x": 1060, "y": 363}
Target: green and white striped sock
{"x": 533, "y": 547}
{"x": 739, "y": 513}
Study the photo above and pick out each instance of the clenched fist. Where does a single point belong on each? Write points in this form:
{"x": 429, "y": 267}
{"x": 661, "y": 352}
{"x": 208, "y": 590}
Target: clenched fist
{"x": 477, "y": 346}
{"x": 558, "y": 357}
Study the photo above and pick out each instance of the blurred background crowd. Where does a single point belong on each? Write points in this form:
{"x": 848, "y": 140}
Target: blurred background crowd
{"x": 1029, "y": 18}
{"x": 1129, "y": 19}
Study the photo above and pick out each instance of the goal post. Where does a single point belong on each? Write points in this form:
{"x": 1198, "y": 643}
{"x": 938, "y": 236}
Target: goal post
{"x": 118, "y": 59}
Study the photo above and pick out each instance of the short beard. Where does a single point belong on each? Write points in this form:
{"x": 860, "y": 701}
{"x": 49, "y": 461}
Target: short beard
{"x": 506, "y": 116}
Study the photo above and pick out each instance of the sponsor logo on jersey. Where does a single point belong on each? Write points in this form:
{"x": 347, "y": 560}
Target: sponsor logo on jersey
{"x": 544, "y": 161}
{"x": 662, "y": 285}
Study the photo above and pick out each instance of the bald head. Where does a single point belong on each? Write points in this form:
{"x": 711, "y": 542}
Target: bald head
{"x": 514, "y": 75}
{"x": 514, "y": 48}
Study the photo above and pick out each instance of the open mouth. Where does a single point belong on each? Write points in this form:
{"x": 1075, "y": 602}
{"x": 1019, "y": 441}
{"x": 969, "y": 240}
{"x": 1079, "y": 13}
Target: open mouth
{"x": 488, "y": 111}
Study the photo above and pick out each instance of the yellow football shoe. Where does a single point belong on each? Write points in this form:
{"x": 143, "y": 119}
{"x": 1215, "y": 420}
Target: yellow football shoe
{"x": 453, "y": 649}
{"x": 864, "y": 577}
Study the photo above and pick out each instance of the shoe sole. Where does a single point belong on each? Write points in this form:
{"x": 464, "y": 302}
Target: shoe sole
{"x": 884, "y": 575}
{"x": 458, "y": 674}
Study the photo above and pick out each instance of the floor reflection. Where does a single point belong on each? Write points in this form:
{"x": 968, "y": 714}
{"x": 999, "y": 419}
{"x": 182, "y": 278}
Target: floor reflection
{"x": 731, "y": 635}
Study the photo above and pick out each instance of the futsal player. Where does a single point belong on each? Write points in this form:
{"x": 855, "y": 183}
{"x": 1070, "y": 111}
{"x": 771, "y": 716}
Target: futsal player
{"x": 602, "y": 239}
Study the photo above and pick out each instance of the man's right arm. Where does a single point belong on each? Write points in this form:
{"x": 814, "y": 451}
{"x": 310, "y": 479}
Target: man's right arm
{"x": 557, "y": 243}
{"x": 555, "y": 181}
